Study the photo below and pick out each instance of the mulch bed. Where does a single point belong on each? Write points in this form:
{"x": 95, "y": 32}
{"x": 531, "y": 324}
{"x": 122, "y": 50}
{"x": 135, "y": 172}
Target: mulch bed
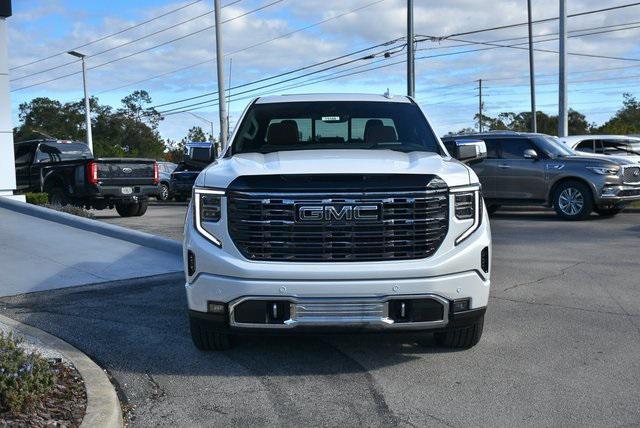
{"x": 64, "y": 406}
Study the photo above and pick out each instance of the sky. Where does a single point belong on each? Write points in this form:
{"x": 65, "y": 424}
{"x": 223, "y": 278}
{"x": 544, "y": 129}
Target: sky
{"x": 264, "y": 38}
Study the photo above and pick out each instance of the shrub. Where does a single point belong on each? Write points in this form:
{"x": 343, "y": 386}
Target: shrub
{"x": 71, "y": 209}
{"x": 24, "y": 378}
{"x": 37, "y": 198}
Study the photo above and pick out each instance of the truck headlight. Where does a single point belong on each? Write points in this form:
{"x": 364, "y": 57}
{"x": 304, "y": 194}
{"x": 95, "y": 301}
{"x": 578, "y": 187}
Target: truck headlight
{"x": 207, "y": 208}
{"x": 467, "y": 206}
{"x": 605, "y": 170}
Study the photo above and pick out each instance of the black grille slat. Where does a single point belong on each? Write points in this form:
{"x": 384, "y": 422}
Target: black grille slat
{"x": 412, "y": 225}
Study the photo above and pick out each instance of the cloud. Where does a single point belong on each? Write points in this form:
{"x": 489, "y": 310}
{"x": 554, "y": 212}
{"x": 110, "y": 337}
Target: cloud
{"x": 385, "y": 20}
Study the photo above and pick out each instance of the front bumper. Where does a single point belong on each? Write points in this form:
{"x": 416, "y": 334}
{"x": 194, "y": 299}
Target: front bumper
{"x": 619, "y": 194}
{"x": 221, "y": 323}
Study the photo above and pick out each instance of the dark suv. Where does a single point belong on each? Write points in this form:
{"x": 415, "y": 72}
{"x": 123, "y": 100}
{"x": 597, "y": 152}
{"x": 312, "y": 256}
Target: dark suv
{"x": 526, "y": 169}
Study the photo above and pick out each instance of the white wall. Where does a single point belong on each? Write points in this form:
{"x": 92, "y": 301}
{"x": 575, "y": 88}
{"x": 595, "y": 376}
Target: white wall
{"x": 7, "y": 167}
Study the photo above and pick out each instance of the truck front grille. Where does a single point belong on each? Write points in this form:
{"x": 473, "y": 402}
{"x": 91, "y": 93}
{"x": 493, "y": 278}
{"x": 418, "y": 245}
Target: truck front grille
{"x": 309, "y": 227}
{"x": 631, "y": 175}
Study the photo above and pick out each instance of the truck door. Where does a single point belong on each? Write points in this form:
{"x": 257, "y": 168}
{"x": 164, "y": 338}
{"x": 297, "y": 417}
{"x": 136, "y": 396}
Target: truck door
{"x": 487, "y": 169}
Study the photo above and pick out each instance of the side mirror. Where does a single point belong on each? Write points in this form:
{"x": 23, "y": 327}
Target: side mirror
{"x": 530, "y": 154}
{"x": 470, "y": 150}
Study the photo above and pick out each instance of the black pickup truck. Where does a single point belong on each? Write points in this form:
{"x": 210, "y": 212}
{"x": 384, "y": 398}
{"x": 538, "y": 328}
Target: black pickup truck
{"x": 68, "y": 172}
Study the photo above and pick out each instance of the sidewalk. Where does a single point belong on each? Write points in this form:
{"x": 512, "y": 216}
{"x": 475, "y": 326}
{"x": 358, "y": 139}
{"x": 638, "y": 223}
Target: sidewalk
{"x": 38, "y": 254}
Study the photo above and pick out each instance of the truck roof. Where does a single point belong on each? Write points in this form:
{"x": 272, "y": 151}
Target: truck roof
{"x": 299, "y": 98}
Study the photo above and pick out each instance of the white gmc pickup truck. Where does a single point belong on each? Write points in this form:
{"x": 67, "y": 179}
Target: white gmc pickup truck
{"x": 337, "y": 212}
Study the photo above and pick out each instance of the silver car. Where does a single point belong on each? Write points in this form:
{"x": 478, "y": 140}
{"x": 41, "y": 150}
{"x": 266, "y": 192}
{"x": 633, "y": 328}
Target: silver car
{"x": 606, "y": 145}
{"x": 528, "y": 169}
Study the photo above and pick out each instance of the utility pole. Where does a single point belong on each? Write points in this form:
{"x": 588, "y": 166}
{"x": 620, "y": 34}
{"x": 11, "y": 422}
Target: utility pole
{"x": 7, "y": 165}
{"x": 229, "y": 97}
{"x": 220, "y": 63}
{"x": 87, "y": 108}
{"x": 563, "y": 103}
{"x": 411, "y": 69}
{"x": 532, "y": 73}
{"x": 480, "y": 127}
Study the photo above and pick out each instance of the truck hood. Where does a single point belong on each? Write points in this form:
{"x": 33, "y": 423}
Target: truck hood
{"x": 221, "y": 173}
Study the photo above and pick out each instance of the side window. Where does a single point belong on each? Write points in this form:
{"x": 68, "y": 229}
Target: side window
{"x": 619, "y": 147}
{"x": 22, "y": 154}
{"x": 585, "y": 146}
{"x": 513, "y": 148}
{"x": 492, "y": 148}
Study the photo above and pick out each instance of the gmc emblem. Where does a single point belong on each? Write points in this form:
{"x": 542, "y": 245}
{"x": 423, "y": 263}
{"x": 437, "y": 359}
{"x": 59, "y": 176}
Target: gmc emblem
{"x": 338, "y": 212}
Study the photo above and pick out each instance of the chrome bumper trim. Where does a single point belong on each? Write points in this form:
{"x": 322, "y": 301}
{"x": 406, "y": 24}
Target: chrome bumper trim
{"x": 370, "y": 313}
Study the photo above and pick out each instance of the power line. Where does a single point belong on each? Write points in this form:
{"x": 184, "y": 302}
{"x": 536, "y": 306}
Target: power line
{"x": 112, "y": 34}
{"x": 502, "y": 27}
{"x": 146, "y": 36}
{"x": 251, "y": 46}
{"x": 247, "y": 84}
{"x": 387, "y": 43}
{"x": 385, "y": 53}
{"x": 151, "y": 47}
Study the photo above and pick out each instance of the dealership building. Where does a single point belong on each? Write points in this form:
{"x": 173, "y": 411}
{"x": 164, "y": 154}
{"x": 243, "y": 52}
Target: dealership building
{"x": 7, "y": 166}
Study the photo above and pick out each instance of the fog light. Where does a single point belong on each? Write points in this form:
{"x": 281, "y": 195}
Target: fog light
{"x": 610, "y": 191}
{"x": 484, "y": 259}
{"x": 461, "y": 305}
{"x": 216, "y": 308}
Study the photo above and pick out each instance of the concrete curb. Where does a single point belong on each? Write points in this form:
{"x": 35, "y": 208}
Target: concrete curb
{"x": 110, "y": 230}
{"x": 103, "y": 406}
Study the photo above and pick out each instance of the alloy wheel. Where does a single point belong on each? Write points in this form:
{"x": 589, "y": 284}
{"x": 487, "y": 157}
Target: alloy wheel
{"x": 571, "y": 201}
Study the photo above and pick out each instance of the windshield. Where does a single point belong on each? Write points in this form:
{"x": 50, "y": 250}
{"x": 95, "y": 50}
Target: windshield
{"x": 553, "y": 147}
{"x": 334, "y": 125}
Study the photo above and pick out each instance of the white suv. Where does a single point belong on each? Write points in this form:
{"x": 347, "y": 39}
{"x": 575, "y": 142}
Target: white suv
{"x": 337, "y": 212}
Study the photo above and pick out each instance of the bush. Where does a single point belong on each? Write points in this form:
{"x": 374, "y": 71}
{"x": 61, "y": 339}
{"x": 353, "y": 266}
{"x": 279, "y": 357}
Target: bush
{"x": 37, "y": 198}
{"x": 24, "y": 378}
{"x": 71, "y": 209}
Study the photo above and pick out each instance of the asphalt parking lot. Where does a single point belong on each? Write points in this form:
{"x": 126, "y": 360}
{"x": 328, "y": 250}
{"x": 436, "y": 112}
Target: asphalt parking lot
{"x": 561, "y": 344}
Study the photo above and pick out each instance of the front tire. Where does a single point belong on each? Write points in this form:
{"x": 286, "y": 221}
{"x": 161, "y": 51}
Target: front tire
{"x": 206, "y": 339}
{"x": 461, "y": 337}
{"x": 572, "y": 200}
{"x": 608, "y": 212}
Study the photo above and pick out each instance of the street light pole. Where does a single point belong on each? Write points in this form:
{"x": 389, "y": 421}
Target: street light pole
{"x": 563, "y": 103}
{"x": 205, "y": 120}
{"x": 411, "y": 70}
{"x": 87, "y": 108}
{"x": 532, "y": 73}
{"x": 220, "y": 63}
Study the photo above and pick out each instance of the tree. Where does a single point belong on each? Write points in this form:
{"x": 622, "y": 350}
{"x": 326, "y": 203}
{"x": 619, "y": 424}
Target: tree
{"x": 626, "y": 120}
{"x": 128, "y": 131}
{"x": 196, "y": 134}
{"x": 521, "y": 122}
{"x": 46, "y": 118}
